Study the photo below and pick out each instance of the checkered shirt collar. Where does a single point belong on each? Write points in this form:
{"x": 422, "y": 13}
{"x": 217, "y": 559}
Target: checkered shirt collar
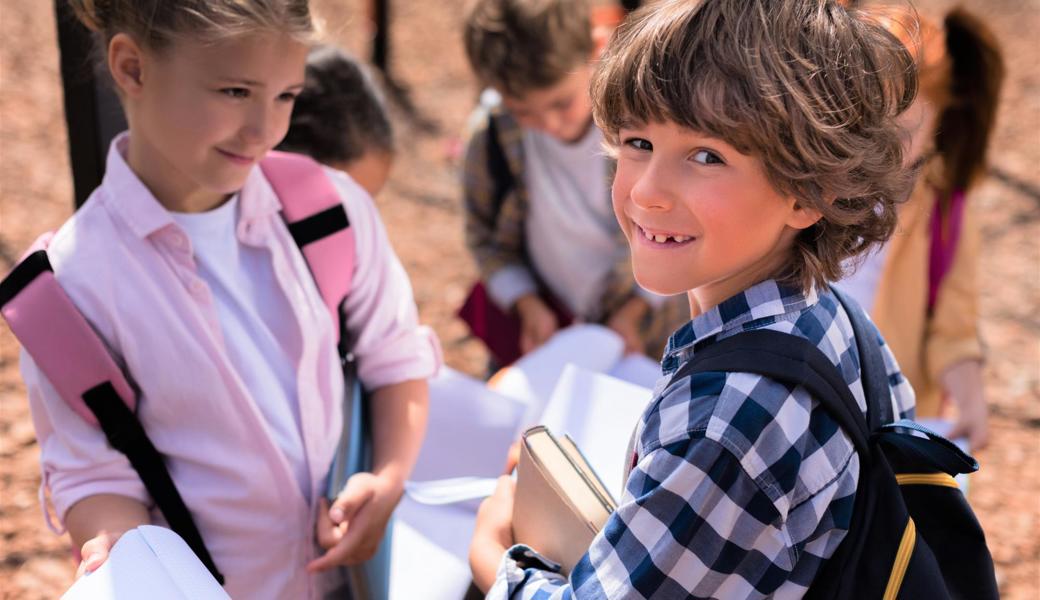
{"x": 760, "y": 305}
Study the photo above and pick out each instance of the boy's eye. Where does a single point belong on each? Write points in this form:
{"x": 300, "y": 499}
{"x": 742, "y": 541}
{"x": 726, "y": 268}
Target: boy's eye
{"x": 707, "y": 157}
{"x": 639, "y": 144}
{"x": 235, "y": 92}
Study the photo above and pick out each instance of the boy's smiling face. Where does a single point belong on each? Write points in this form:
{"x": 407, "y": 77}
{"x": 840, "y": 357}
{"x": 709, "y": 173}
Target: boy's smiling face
{"x": 562, "y": 110}
{"x": 699, "y": 216}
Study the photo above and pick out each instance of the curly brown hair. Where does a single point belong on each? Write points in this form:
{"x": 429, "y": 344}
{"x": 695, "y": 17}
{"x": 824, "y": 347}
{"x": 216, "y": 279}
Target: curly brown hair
{"x": 517, "y": 46}
{"x": 806, "y": 86}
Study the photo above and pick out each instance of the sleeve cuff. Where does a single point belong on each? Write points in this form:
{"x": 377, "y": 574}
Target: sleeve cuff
{"x": 415, "y": 355}
{"x": 512, "y": 571}
{"x": 508, "y": 284}
{"x": 941, "y": 357}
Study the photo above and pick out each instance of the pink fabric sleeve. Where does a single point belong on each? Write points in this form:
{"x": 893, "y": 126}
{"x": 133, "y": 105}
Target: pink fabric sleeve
{"x": 75, "y": 458}
{"x": 390, "y": 344}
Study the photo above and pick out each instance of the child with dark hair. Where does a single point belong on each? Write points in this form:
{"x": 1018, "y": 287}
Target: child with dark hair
{"x": 921, "y": 287}
{"x": 757, "y": 149}
{"x": 340, "y": 119}
{"x": 536, "y": 188}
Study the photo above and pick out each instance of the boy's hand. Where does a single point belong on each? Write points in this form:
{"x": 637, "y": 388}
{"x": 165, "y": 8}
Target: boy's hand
{"x": 351, "y": 530}
{"x": 493, "y": 533}
{"x": 626, "y": 322}
{"x": 537, "y": 322}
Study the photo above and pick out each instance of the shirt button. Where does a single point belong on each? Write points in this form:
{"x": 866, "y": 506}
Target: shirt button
{"x": 198, "y": 287}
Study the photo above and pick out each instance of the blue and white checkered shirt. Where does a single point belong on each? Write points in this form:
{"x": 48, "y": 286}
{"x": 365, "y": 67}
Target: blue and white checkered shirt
{"x": 742, "y": 486}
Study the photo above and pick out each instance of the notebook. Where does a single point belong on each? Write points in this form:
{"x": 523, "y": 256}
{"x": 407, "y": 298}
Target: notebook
{"x": 148, "y": 562}
{"x": 560, "y": 503}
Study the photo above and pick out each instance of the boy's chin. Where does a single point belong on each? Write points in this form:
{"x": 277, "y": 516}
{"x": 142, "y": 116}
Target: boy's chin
{"x": 659, "y": 283}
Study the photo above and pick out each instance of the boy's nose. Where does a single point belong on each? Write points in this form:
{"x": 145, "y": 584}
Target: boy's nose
{"x": 650, "y": 191}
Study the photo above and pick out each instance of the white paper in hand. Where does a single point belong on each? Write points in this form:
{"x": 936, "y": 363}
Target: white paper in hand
{"x": 533, "y": 378}
{"x": 469, "y": 429}
{"x": 148, "y": 562}
{"x": 600, "y": 413}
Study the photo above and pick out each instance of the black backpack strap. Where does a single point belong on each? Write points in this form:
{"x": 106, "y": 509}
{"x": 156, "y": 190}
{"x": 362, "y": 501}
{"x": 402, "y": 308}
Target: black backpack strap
{"x": 124, "y": 432}
{"x": 873, "y": 373}
{"x": 108, "y": 397}
{"x": 790, "y": 359}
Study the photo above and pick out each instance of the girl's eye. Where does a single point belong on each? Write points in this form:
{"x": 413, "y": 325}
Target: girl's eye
{"x": 639, "y": 144}
{"x": 707, "y": 157}
{"x": 235, "y": 92}
{"x": 287, "y": 97}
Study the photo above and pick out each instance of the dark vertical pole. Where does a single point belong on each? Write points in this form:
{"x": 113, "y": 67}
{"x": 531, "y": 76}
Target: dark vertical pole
{"x": 93, "y": 114}
{"x": 381, "y": 40}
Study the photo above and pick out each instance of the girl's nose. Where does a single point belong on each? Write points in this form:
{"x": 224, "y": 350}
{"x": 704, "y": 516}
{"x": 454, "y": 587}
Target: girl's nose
{"x": 257, "y": 126}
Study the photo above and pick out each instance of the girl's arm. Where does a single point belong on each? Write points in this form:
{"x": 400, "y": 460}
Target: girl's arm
{"x": 353, "y": 527}
{"x": 95, "y": 523}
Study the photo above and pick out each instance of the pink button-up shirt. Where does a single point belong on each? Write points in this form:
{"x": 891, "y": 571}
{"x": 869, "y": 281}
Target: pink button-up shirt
{"x": 129, "y": 269}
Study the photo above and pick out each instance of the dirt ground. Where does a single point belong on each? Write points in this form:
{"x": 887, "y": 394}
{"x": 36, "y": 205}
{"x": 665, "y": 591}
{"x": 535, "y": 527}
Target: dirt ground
{"x": 422, "y": 211}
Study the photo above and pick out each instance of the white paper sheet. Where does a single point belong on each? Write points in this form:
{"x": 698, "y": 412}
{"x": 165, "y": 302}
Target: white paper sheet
{"x": 600, "y": 413}
{"x": 532, "y": 378}
{"x": 469, "y": 430}
{"x": 638, "y": 369}
{"x": 429, "y": 556}
{"x": 148, "y": 562}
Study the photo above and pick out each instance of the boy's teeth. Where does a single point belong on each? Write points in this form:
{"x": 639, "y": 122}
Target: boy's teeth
{"x": 660, "y": 239}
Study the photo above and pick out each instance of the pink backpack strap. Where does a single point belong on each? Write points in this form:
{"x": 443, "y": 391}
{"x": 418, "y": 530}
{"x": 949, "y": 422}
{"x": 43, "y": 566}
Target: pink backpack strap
{"x": 54, "y": 333}
{"x": 314, "y": 213}
{"x": 74, "y": 359}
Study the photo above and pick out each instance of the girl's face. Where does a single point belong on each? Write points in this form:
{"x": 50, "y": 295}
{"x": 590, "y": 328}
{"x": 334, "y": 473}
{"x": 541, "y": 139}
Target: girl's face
{"x": 699, "y": 216}
{"x": 202, "y": 115}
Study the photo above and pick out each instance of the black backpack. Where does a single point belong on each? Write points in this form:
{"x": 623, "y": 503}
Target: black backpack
{"x": 913, "y": 534}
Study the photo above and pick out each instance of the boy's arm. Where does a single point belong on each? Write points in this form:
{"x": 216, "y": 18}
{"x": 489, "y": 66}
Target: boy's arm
{"x": 691, "y": 510}
{"x": 953, "y": 348}
{"x": 494, "y": 232}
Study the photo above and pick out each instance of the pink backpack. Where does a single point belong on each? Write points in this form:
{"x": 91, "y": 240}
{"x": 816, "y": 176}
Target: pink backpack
{"x": 76, "y": 362}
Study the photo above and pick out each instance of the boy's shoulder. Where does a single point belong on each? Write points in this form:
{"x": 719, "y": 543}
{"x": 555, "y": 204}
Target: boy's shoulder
{"x": 782, "y": 438}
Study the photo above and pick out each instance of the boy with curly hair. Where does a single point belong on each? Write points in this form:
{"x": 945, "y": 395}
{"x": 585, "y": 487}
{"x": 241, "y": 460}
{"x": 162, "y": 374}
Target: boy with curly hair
{"x": 757, "y": 149}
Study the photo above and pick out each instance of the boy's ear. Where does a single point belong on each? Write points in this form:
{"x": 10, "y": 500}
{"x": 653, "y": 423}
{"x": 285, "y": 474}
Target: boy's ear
{"x": 803, "y": 216}
{"x": 125, "y": 60}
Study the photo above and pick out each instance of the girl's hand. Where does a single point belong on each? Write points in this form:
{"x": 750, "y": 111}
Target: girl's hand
{"x": 95, "y": 551}
{"x": 351, "y": 530}
{"x": 493, "y": 533}
{"x": 962, "y": 382}
{"x": 537, "y": 322}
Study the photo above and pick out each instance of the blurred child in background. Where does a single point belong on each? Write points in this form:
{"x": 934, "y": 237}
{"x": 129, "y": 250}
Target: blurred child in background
{"x": 340, "y": 119}
{"x": 536, "y": 186}
{"x": 921, "y": 287}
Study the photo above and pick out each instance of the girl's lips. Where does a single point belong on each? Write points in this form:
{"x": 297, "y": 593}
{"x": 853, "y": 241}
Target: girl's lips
{"x": 662, "y": 239}
{"x": 236, "y": 158}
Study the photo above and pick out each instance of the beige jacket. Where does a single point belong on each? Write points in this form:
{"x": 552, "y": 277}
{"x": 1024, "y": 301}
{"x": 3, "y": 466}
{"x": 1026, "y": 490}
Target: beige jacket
{"x": 925, "y": 345}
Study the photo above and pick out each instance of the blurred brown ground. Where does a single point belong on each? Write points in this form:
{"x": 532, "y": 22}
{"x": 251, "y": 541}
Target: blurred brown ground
{"x": 421, "y": 209}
